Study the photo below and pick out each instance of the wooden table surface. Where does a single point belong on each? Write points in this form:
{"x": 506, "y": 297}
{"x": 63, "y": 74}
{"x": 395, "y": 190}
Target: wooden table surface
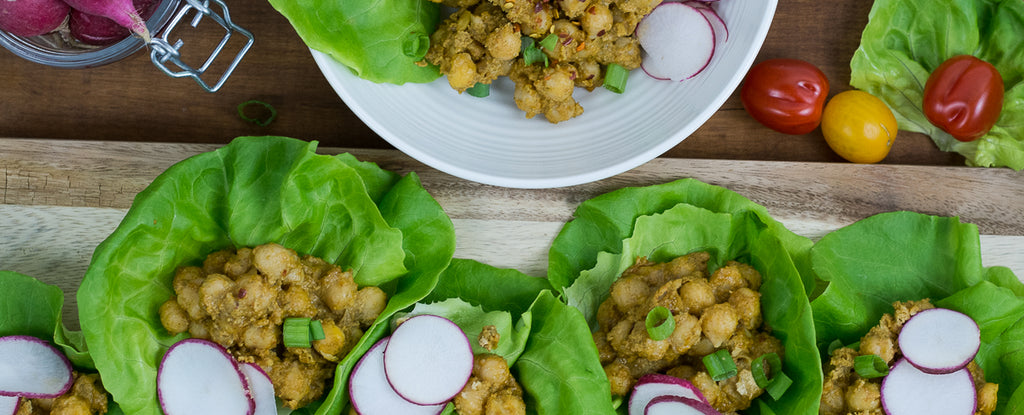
{"x": 132, "y": 100}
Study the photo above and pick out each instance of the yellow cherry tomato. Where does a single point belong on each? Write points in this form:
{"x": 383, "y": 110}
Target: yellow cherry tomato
{"x": 858, "y": 126}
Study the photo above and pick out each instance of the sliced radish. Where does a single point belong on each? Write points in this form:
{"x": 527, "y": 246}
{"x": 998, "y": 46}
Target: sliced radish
{"x": 370, "y": 392}
{"x": 199, "y": 377}
{"x": 9, "y": 405}
{"x": 678, "y": 41}
{"x": 32, "y": 368}
{"x": 940, "y": 340}
{"x": 678, "y": 405}
{"x": 655, "y": 385}
{"x": 261, "y": 388}
{"x": 907, "y": 390}
{"x": 428, "y": 359}
{"x": 717, "y": 23}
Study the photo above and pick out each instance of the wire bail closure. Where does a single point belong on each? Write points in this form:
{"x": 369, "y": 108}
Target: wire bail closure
{"x": 162, "y": 51}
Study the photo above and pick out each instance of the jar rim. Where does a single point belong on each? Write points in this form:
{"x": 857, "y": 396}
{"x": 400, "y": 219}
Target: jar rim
{"x": 40, "y": 50}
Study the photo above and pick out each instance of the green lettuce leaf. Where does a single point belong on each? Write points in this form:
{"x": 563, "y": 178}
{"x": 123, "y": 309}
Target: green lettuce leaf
{"x": 902, "y": 256}
{"x": 255, "y": 190}
{"x": 366, "y": 36}
{"x": 742, "y": 236}
{"x": 560, "y": 370}
{"x": 602, "y": 223}
{"x": 905, "y": 40}
{"x": 551, "y": 352}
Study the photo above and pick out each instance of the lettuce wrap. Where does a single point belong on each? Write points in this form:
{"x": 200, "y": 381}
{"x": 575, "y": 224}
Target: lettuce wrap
{"x": 602, "y": 223}
{"x": 902, "y": 256}
{"x": 716, "y": 220}
{"x": 255, "y": 190}
{"x": 369, "y": 37}
{"x": 905, "y": 40}
{"x": 546, "y": 343}
{"x": 33, "y": 308}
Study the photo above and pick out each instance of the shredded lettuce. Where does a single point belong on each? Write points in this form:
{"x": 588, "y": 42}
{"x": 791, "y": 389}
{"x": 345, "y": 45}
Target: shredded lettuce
{"x": 369, "y": 37}
{"x": 902, "y": 256}
{"x": 905, "y": 40}
{"x": 667, "y": 221}
{"x": 255, "y": 190}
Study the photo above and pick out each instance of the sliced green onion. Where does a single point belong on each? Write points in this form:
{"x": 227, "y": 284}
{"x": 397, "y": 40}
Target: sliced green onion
{"x": 531, "y": 53}
{"x": 549, "y": 42}
{"x": 615, "y": 77}
{"x": 480, "y": 90}
{"x": 767, "y": 371}
{"x": 778, "y": 386}
{"x": 764, "y": 371}
{"x": 660, "y": 323}
{"x": 835, "y": 345}
{"x": 870, "y": 366}
{"x": 266, "y": 115}
{"x": 316, "y": 330}
{"x": 295, "y": 332}
{"x": 415, "y": 45}
{"x": 720, "y": 365}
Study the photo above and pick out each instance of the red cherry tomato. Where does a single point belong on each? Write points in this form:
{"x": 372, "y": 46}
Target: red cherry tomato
{"x": 786, "y": 95}
{"x": 963, "y": 97}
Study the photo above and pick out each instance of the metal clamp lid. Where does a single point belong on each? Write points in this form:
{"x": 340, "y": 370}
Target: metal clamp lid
{"x": 162, "y": 51}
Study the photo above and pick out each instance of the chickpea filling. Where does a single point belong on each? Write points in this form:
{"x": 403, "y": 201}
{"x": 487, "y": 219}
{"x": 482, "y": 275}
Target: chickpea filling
{"x": 240, "y": 299}
{"x": 847, "y": 393}
{"x": 482, "y": 41}
{"x": 86, "y": 397}
{"x": 720, "y": 311}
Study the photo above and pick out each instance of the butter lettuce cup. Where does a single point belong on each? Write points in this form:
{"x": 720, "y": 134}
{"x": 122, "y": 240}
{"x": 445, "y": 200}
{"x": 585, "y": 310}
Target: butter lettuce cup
{"x": 904, "y": 257}
{"x": 30, "y": 310}
{"x": 354, "y": 227}
{"x": 530, "y": 352}
{"x": 652, "y": 248}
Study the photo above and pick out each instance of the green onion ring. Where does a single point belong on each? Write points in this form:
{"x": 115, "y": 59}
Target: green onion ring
{"x": 660, "y": 323}
{"x": 778, "y": 386}
{"x": 870, "y": 366}
{"x": 295, "y": 332}
{"x": 260, "y": 121}
{"x": 615, "y": 77}
{"x": 720, "y": 365}
{"x": 316, "y": 330}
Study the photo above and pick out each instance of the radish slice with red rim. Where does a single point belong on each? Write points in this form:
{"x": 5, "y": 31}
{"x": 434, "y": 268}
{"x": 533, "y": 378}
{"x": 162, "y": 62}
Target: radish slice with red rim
{"x": 261, "y": 388}
{"x": 678, "y": 41}
{"x": 940, "y": 340}
{"x": 32, "y": 368}
{"x": 678, "y": 405}
{"x": 9, "y": 405}
{"x": 370, "y": 392}
{"x": 909, "y": 391}
{"x": 717, "y": 24}
{"x": 199, "y": 376}
{"x": 654, "y": 385}
{"x": 428, "y": 359}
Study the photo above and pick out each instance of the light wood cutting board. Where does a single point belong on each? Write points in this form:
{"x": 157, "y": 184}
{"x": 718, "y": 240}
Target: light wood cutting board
{"x": 62, "y": 198}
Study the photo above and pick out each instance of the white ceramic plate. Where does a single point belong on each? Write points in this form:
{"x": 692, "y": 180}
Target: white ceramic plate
{"x": 491, "y": 141}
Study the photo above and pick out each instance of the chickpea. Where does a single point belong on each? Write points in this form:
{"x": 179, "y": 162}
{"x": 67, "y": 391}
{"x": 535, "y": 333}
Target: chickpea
{"x": 573, "y": 8}
{"x": 557, "y": 83}
{"x": 987, "y": 397}
{"x": 527, "y": 99}
{"x": 747, "y": 303}
{"x": 70, "y": 405}
{"x": 596, "y": 20}
{"x": 686, "y": 334}
{"x": 239, "y": 264}
{"x": 215, "y": 291}
{"x": 627, "y": 292}
{"x": 339, "y": 290}
{"x": 619, "y": 377}
{"x": 697, "y": 295}
{"x": 719, "y": 322}
{"x": 370, "y": 301}
{"x": 462, "y": 73}
{"x": 504, "y": 43}
{"x": 505, "y": 402}
{"x": 863, "y": 396}
{"x": 332, "y": 347}
{"x": 879, "y": 342}
{"x": 173, "y": 317}
{"x": 277, "y": 263}
{"x": 725, "y": 280}
{"x": 186, "y": 284}
{"x": 260, "y": 337}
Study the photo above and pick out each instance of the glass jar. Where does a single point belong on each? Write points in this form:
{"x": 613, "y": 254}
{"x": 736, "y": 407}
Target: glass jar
{"x": 57, "y": 49}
